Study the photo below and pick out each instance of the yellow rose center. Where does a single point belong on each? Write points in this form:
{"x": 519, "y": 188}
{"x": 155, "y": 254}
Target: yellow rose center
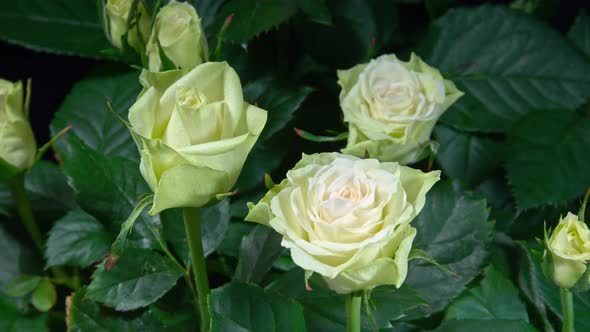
{"x": 190, "y": 98}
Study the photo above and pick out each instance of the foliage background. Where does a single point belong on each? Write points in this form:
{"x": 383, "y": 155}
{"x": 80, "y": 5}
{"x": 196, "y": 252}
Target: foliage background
{"x": 513, "y": 152}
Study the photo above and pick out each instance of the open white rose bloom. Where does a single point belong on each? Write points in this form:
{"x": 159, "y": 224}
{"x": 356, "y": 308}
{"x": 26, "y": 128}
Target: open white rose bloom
{"x": 346, "y": 218}
{"x": 392, "y": 106}
{"x": 194, "y": 131}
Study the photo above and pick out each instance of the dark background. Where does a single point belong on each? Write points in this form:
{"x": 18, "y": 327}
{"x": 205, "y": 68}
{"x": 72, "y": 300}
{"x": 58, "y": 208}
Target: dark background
{"x": 53, "y": 75}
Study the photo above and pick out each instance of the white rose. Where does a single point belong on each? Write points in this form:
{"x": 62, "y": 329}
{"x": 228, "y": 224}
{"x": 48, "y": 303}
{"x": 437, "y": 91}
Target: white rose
{"x": 391, "y": 107}
{"x": 346, "y": 218}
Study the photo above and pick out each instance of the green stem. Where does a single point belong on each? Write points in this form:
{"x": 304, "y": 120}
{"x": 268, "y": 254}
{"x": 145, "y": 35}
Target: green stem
{"x": 25, "y": 212}
{"x": 23, "y": 207}
{"x": 567, "y": 308}
{"x": 192, "y": 225}
{"x": 353, "y": 312}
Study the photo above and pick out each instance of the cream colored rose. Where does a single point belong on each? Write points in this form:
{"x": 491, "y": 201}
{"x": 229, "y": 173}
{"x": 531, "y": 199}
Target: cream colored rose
{"x": 17, "y": 141}
{"x": 117, "y": 16}
{"x": 177, "y": 34}
{"x": 346, "y": 218}
{"x": 391, "y": 107}
{"x": 565, "y": 261}
{"x": 194, "y": 132}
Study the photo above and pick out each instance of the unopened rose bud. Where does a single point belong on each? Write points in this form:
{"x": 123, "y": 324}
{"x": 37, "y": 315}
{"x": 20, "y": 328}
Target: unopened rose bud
{"x": 177, "y": 35}
{"x": 117, "y": 18}
{"x": 17, "y": 142}
{"x": 565, "y": 261}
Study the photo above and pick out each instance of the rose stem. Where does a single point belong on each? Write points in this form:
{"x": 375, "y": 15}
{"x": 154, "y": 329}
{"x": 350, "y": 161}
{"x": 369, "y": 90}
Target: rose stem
{"x": 567, "y": 308}
{"x": 25, "y": 212}
{"x": 353, "y": 312}
{"x": 192, "y": 225}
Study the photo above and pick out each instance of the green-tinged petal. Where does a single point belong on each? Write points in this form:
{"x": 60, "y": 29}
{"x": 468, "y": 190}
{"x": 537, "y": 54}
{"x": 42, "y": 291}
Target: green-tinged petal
{"x": 416, "y": 184}
{"x": 17, "y": 144}
{"x": 188, "y": 186}
{"x": 261, "y": 212}
{"x": 347, "y": 78}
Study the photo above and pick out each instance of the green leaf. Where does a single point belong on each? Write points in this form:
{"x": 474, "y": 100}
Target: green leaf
{"x": 355, "y": 26}
{"x": 238, "y": 229}
{"x": 85, "y": 109}
{"x": 579, "y": 34}
{"x": 507, "y": 63}
{"x": 108, "y": 189}
{"x": 206, "y": 9}
{"x": 64, "y": 27}
{"x": 494, "y": 298}
{"x": 15, "y": 260}
{"x": 316, "y": 10}
{"x": 258, "y": 251}
{"x": 453, "y": 229}
{"x": 244, "y": 307}
{"x": 547, "y": 158}
{"x": 252, "y": 17}
{"x": 324, "y": 309}
{"x": 139, "y": 278}
{"x": 13, "y": 320}
{"x": 48, "y": 190}
{"x": 44, "y": 296}
{"x": 281, "y": 101}
{"x": 545, "y": 295}
{"x": 215, "y": 223}
{"x": 488, "y": 325}
{"x": 86, "y": 315}
{"x": 22, "y": 285}
{"x": 467, "y": 157}
{"x": 77, "y": 239}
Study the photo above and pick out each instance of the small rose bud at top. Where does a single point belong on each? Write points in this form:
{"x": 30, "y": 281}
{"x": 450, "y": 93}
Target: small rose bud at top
{"x": 392, "y": 105}
{"x": 567, "y": 251}
{"x": 178, "y": 36}
{"x": 117, "y": 17}
{"x": 17, "y": 141}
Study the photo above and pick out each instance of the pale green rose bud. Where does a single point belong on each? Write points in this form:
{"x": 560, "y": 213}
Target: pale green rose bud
{"x": 391, "y": 107}
{"x": 17, "y": 141}
{"x": 565, "y": 261}
{"x": 178, "y": 36}
{"x": 194, "y": 132}
{"x": 346, "y": 218}
{"x": 117, "y": 16}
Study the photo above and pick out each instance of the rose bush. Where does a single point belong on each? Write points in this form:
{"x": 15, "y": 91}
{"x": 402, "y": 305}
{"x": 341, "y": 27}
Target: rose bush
{"x": 194, "y": 132}
{"x": 346, "y": 218}
{"x": 391, "y": 107}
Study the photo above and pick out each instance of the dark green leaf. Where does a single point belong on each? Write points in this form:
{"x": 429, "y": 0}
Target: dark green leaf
{"x": 139, "y": 278}
{"x": 206, "y": 10}
{"x": 12, "y": 320}
{"x": 258, "y": 251}
{"x": 453, "y": 229}
{"x": 507, "y": 63}
{"x": 494, "y": 298}
{"x": 15, "y": 260}
{"x": 85, "y": 109}
{"x": 547, "y": 158}
{"x": 316, "y": 10}
{"x": 355, "y": 26}
{"x": 44, "y": 296}
{"x": 579, "y": 34}
{"x": 66, "y": 27}
{"x": 108, "y": 188}
{"x": 22, "y": 285}
{"x": 78, "y": 239}
{"x": 238, "y": 229}
{"x": 85, "y": 315}
{"x": 50, "y": 195}
{"x": 244, "y": 307}
{"x": 324, "y": 309}
{"x": 215, "y": 223}
{"x": 485, "y": 326}
{"x": 467, "y": 157}
{"x": 281, "y": 101}
{"x": 252, "y": 17}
